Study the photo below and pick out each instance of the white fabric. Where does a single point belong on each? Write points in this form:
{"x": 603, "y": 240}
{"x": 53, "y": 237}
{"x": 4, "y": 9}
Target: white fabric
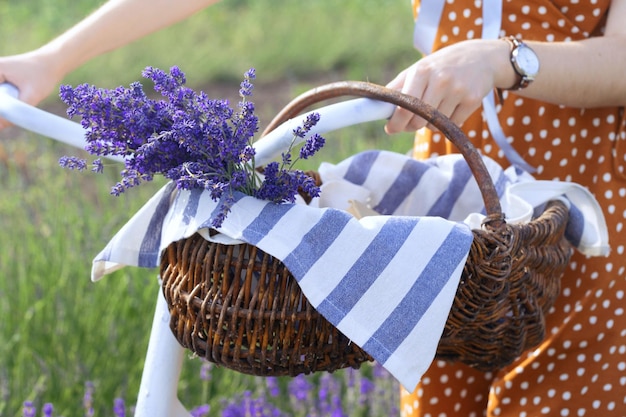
{"x": 443, "y": 186}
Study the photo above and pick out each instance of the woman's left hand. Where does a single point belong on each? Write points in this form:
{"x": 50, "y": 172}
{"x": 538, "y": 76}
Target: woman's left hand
{"x": 454, "y": 80}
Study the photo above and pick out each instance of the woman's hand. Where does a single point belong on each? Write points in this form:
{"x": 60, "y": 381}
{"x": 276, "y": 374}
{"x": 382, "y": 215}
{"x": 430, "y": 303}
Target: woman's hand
{"x": 32, "y": 74}
{"x": 454, "y": 80}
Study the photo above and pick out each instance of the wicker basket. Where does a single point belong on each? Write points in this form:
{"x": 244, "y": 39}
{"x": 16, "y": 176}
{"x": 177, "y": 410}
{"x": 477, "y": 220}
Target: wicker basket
{"x": 240, "y": 308}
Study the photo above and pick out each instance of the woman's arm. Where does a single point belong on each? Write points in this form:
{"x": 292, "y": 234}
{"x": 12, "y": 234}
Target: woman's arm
{"x": 586, "y": 73}
{"x": 115, "y": 24}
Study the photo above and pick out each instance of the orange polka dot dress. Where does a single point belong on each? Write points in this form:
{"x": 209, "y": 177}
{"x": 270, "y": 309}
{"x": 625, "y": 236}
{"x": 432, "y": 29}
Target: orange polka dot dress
{"x": 580, "y": 370}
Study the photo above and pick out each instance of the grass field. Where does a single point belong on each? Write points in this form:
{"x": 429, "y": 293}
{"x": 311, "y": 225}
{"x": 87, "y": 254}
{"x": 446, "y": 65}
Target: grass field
{"x": 58, "y": 330}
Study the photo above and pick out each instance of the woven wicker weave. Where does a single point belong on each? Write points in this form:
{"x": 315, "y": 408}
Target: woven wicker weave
{"x": 240, "y": 308}
{"x": 511, "y": 278}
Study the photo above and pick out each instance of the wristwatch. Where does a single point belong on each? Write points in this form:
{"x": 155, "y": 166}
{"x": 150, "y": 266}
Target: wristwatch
{"x": 525, "y": 62}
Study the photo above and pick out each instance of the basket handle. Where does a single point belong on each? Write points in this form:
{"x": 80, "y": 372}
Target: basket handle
{"x": 437, "y": 119}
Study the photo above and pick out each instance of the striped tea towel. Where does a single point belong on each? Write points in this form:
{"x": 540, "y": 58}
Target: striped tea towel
{"x": 392, "y": 183}
{"x": 386, "y": 281}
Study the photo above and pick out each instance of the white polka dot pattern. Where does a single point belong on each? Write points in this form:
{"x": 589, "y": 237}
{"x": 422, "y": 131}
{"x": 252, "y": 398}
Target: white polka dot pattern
{"x": 580, "y": 370}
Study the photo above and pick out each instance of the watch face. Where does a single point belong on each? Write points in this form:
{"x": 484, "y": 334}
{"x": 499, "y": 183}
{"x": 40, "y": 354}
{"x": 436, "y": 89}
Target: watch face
{"x": 527, "y": 61}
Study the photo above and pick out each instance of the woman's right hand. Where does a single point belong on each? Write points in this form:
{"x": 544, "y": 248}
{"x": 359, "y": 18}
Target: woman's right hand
{"x": 32, "y": 74}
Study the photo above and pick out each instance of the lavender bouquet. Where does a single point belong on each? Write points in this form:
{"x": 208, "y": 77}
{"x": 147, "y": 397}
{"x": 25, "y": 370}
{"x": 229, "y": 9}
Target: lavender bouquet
{"x": 195, "y": 141}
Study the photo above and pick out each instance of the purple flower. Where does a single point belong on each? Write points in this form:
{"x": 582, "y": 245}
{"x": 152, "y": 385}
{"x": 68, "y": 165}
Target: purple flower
{"x": 205, "y": 371}
{"x": 119, "y": 407}
{"x": 310, "y": 121}
{"x": 97, "y": 166}
{"x": 223, "y": 209}
{"x": 307, "y": 184}
{"x": 167, "y": 84}
{"x": 200, "y": 411}
{"x": 311, "y": 146}
{"x": 338, "y": 412}
{"x": 367, "y": 386}
{"x": 272, "y": 386}
{"x": 71, "y": 162}
{"x": 380, "y": 372}
{"x": 246, "y": 85}
{"x": 300, "y": 388}
{"x": 185, "y": 136}
{"x": 88, "y": 399}
{"x": 248, "y": 406}
{"x": 47, "y": 409}
{"x": 29, "y": 409}
{"x": 328, "y": 387}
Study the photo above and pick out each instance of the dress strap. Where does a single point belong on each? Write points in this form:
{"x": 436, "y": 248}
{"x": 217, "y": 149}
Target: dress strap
{"x": 492, "y": 23}
{"x": 426, "y": 24}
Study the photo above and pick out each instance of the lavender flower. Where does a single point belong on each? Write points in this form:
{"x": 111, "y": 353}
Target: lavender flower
{"x": 246, "y": 85}
{"x": 29, "y": 409}
{"x": 311, "y": 146}
{"x": 251, "y": 407}
{"x": 197, "y": 142}
{"x": 200, "y": 411}
{"x": 97, "y": 166}
{"x": 48, "y": 409}
{"x": 320, "y": 395}
{"x": 71, "y": 162}
{"x": 300, "y": 388}
{"x": 205, "y": 370}
{"x": 310, "y": 121}
{"x": 366, "y": 388}
{"x": 328, "y": 388}
{"x": 282, "y": 183}
{"x": 119, "y": 407}
{"x": 88, "y": 399}
{"x": 351, "y": 375}
{"x": 379, "y": 372}
{"x": 272, "y": 386}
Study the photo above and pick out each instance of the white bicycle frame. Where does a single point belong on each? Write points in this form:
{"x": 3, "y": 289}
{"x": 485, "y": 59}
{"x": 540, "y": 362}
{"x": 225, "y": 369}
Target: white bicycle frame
{"x": 158, "y": 395}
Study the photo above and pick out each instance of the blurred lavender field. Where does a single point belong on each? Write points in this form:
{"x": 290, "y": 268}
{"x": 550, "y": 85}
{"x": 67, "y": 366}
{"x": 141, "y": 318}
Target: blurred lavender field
{"x": 367, "y": 392}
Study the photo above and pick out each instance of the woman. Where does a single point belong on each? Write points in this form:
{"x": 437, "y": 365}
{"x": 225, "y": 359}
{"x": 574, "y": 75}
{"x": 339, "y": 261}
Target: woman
{"x": 566, "y": 123}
